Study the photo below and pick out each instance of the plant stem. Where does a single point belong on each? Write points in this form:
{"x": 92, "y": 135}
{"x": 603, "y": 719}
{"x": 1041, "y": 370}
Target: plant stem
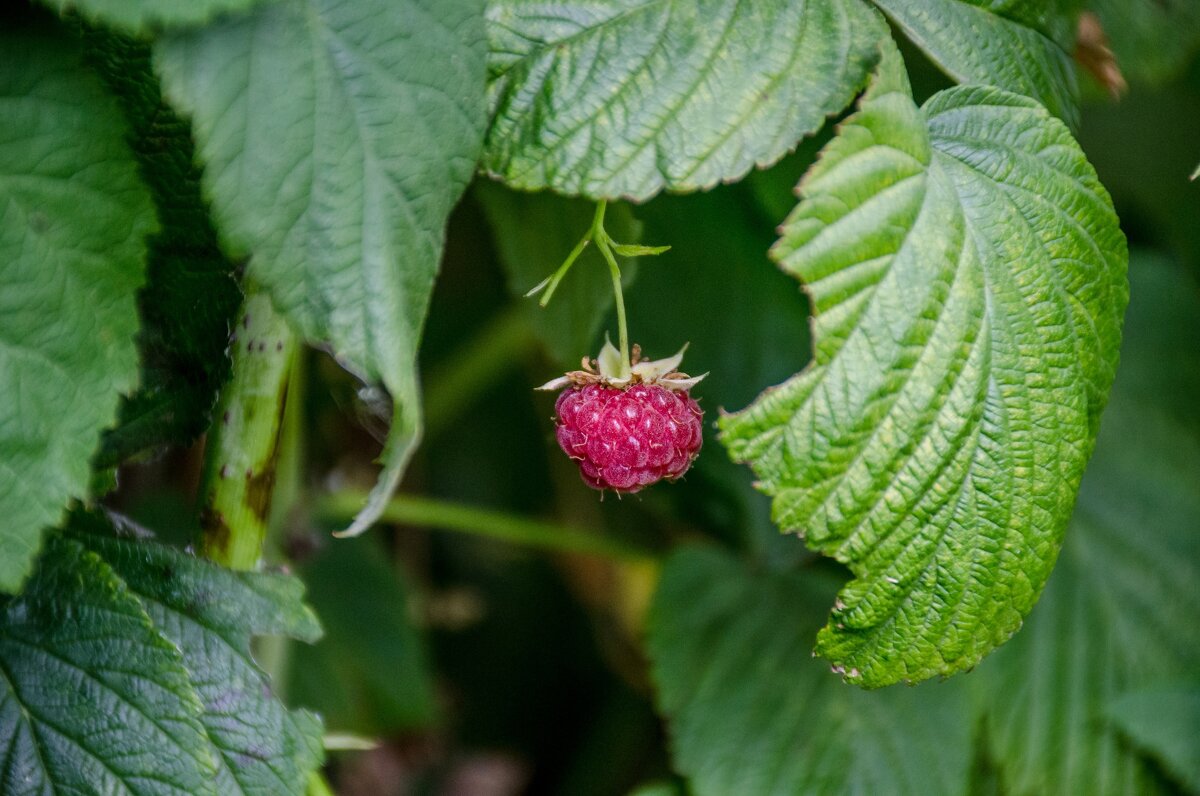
{"x": 408, "y": 510}
{"x": 552, "y": 285}
{"x": 243, "y": 444}
{"x": 602, "y": 243}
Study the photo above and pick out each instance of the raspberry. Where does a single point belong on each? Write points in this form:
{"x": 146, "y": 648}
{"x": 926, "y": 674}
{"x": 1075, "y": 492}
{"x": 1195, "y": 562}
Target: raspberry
{"x": 628, "y": 438}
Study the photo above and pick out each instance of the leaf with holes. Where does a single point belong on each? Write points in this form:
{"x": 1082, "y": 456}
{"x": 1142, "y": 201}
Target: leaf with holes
{"x": 630, "y": 97}
{"x": 336, "y": 139}
{"x": 67, "y": 307}
{"x": 968, "y": 282}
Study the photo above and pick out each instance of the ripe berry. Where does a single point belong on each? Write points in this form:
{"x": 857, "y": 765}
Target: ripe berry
{"x": 628, "y": 438}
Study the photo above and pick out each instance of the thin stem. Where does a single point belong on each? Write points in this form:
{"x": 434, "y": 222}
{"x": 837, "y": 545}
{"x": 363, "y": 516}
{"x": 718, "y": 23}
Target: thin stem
{"x": 552, "y": 285}
{"x": 602, "y": 243}
{"x": 408, "y": 510}
{"x": 243, "y": 444}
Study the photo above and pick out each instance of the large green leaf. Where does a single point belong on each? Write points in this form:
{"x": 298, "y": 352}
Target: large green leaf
{"x": 73, "y": 222}
{"x": 752, "y": 713}
{"x": 93, "y": 699}
{"x": 190, "y": 297}
{"x": 1119, "y": 614}
{"x": 125, "y": 668}
{"x": 976, "y": 46}
{"x": 1165, "y": 723}
{"x": 140, "y": 16}
{"x": 968, "y": 280}
{"x": 628, "y": 97}
{"x": 337, "y": 138}
{"x": 533, "y": 234}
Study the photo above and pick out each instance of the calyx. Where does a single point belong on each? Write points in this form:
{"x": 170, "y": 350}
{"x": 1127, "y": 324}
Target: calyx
{"x": 612, "y": 370}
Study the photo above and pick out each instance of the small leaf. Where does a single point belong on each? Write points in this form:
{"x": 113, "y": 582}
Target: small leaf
{"x": 968, "y": 281}
{"x": 635, "y": 250}
{"x": 1118, "y": 615}
{"x": 142, "y": 16}
{"x": 975, "y": 46}
{"x": 72, "y": 249}
{"x": 1165, "y": 722}
{"x": 626, "y": 98}
{"x": 92, "y": 698}
{"x": 751, "y": 712}
{"x": 336, "y": 139}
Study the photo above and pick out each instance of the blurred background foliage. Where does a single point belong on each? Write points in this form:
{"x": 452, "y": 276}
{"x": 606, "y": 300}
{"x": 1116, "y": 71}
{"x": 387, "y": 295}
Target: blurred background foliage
{"x": 476, "y": 665}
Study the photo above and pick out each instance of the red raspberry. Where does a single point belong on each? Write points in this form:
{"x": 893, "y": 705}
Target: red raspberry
{"x": 626, "y": 439}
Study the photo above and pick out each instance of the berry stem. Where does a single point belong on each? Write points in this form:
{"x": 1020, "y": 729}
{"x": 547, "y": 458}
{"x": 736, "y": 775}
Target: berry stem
{"x": 599, "y": 235}
{"x": 513, "y": 528}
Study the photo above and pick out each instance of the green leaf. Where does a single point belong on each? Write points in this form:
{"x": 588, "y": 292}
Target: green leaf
{"x": 191, "y": 296}
{"x": 1154, "y": 40}
{"x": 209, "y": 613}
{"x": 72, "y": 248}
{"x": 967, "y": 276}
{"x": 370, "y": 674}
{"x": 972, "y": 45}
{"x": 533, "y": 234}
{"x": 636, "y": 250}
{"x": 93, "y": 699}
{"x": 337, "y": 138}
{"x": 751, "y": 712}
{"x": 141, "y": 16}
{"x": 1165, "y": 722}
{"x": 1055, "y": 18}
{"x": 1118, "y": 616}
{"x": 627, "y": 97}
{"x": 171, "y": 701}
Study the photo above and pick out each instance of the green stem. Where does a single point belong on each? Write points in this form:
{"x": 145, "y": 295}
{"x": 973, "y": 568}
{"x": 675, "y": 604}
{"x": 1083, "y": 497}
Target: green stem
{"x": 602, "y": 243}
{"x": 243, "y": 444}
{"x": 552, "y": 285}
{"x": 407, "y": 510}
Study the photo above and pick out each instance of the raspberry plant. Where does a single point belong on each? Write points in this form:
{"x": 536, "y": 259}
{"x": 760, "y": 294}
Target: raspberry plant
{"x": 222, "y": 225}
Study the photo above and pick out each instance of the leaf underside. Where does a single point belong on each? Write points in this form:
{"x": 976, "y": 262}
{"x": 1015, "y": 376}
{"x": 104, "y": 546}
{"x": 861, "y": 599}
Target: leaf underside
{"x": 336, "y": 139}
{"x": 967, "y": 276}
{"x": 67, "y": 307}
{"x": 626, "y": 98}
{"x": 125, "y": 667}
